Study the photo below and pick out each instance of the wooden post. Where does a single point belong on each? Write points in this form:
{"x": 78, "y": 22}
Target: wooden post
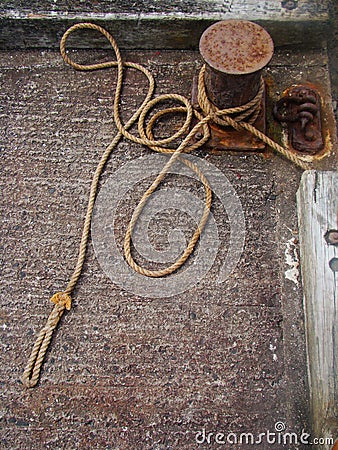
{"x": 317, "y": 200}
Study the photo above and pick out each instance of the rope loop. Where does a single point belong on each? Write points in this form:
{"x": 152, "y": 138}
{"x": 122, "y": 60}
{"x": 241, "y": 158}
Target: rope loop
{"x": 31, "y": 373}
{"x": 94, "y": 66}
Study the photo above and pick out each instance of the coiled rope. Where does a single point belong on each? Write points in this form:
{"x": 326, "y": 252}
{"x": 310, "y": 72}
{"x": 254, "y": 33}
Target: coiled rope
{"x": 241, "y": 117}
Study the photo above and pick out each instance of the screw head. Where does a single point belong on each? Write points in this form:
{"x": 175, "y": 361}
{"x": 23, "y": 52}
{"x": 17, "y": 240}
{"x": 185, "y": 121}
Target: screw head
{"x": 331, "y": 237}
{"x": 290, "y": 4}
{"x": 333, "y": 263}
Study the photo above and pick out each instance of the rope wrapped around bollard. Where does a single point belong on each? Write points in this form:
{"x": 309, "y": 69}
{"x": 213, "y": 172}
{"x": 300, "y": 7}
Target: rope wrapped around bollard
{"x": 239, "y": 118}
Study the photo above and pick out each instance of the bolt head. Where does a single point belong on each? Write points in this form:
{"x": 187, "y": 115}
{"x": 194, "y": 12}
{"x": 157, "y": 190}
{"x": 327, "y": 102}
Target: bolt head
{"x": 333, "y": 263}
{"x": 289, "y": 4}
{"x": 331, "y": 237}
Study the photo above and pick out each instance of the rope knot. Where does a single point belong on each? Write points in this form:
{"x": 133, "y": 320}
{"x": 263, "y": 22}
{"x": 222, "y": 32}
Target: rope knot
{"x": 62, "y": 299}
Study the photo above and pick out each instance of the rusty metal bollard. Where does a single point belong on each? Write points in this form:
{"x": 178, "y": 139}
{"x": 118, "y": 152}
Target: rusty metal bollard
{"x": 235, "y": 53}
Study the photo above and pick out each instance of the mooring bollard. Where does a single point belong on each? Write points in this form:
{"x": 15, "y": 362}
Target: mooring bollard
{"x": 235, "y": 52}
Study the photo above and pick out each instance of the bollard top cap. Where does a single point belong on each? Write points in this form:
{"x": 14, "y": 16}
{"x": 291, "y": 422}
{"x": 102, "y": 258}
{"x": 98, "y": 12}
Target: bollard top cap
{"x": 236, "y": 47}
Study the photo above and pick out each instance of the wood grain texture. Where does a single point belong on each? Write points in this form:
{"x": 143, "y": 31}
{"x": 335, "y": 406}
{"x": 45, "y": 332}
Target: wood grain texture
{"x": 317, "y": 209}
{"x": 304, "y": 8}
{"x": 160, "y": 24}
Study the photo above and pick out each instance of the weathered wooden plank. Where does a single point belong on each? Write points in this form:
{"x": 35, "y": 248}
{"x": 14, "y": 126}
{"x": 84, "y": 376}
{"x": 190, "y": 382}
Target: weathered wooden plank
{"x": 318, "y": 213}
{"x": 163, "y": 24}
{"x": 259, "y": 8}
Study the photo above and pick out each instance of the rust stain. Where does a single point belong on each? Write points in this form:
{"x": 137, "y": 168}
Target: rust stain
{"x": 236, "y": 47}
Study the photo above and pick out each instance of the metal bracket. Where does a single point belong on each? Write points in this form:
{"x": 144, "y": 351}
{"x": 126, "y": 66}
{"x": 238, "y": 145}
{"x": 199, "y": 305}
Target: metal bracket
{"x": 300, "y": 109}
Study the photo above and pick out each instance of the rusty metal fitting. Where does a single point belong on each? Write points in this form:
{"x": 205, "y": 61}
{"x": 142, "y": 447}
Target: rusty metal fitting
{"x": 235, "y": 52}
{"x": 300, "y": 109}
